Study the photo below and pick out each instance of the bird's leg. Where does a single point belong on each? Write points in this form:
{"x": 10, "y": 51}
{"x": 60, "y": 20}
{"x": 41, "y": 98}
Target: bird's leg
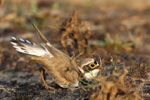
{"x": 44, "y": 74}
{"x": 44, "y": 82}
{"x": 42, "y": 70}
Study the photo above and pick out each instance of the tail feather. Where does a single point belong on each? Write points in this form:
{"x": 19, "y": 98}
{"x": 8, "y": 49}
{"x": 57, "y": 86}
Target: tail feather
{"x": 27, "y": 47}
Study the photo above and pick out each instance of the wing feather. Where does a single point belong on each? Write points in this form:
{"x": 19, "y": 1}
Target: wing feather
{"x": 30, "y": 48}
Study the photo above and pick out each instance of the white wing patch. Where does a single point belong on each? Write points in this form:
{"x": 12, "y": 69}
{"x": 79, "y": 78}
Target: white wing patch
{"x": 27, "y": 47}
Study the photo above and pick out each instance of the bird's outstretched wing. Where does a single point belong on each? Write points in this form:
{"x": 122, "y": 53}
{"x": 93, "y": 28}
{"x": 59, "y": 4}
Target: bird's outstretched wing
{"x": 30, "y": 48}
{"x": 42, "y": 37}
{"x": 47, "y": 44}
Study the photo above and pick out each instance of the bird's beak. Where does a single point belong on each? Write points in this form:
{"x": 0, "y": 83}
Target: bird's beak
{"x": 99, "y": 68}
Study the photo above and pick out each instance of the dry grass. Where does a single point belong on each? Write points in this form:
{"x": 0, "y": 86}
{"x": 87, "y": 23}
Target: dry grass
{"x": 74, "y": 36}
{"x": 113, "y": 87}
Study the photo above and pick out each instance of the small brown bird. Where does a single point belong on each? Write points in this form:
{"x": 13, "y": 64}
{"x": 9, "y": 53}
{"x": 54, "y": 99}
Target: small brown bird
{"x": 63, "y": 68}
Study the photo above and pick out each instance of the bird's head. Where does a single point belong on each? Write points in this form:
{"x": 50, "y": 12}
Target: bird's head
{"x": 90, "y": 67}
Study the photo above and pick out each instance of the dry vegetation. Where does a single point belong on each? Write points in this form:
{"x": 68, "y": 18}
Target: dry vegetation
{"x": 116, "y": 30}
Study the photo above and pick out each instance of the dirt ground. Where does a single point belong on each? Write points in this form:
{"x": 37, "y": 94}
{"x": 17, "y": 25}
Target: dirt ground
{"x": 118, "y": 31}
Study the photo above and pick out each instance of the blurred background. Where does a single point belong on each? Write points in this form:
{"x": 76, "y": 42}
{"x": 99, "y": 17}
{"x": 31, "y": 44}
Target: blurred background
{"x": 119, "y": 18}
{"x": 119, "y": 31}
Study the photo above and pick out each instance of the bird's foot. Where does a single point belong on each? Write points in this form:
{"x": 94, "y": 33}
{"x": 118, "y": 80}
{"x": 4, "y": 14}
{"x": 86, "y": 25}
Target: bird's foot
{"x": 45, "y": 84}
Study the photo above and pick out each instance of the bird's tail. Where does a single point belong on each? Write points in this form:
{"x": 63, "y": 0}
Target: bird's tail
{"x": 27, "y": 47}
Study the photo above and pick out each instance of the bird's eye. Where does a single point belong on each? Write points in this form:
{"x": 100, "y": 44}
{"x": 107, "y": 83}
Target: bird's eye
{"x": 92, "y": 65}
{"x": 95, "y": 62}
